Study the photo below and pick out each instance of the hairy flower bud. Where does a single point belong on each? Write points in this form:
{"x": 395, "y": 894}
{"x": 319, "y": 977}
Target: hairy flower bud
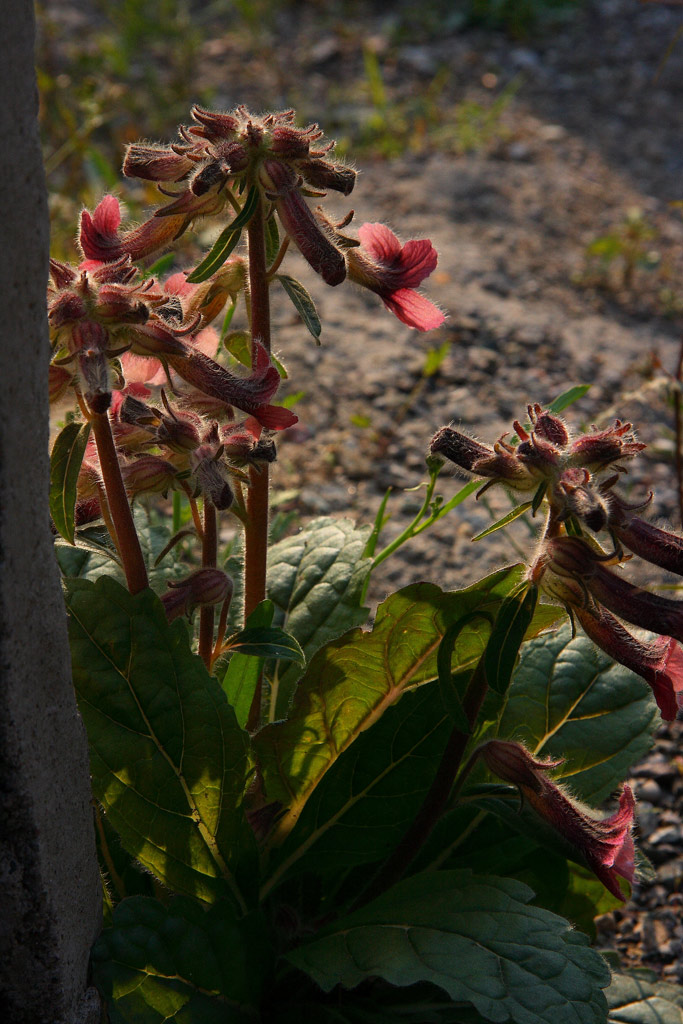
{"x": 212, "y": 476}
{"x": 203, "y": 587}
{"x": 573, "y": 556}
{"x": 601, "y": 448}
{"x": 148, "y": 474}
{"x": 499, "y": 463}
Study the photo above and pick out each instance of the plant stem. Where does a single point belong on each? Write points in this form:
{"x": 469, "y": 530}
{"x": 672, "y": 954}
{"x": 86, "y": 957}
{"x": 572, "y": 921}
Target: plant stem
{"x": 127, "y": 540}
{"x": 256, "y": 528}
{"x": 209, "y": 559}
{"x": 436, "y": 800}
{"x": 256, "y": 525}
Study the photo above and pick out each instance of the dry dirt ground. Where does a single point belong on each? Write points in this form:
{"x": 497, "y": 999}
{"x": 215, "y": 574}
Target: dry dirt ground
{"x": 590, "y": 134}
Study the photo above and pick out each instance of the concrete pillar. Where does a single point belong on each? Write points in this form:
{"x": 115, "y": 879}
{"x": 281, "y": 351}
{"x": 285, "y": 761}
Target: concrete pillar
{"x": 50, "y": 903}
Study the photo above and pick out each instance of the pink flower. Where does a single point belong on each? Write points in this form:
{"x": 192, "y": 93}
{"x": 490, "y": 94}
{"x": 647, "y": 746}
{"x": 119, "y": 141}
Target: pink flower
{"x": 605, "y": 844}
{"x": 394, "y": 271}
{"x": 101, "y": 240}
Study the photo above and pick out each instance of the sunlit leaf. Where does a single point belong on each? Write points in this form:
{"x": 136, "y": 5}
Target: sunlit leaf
{"x": 226, "y": 241}
{"x": 568, "y": 699}
{"x": 169, "y": 763}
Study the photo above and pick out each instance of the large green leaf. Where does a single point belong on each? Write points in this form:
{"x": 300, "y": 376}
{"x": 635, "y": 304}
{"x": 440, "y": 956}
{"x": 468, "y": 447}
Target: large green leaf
{"x": 475, "y": 937}
{"x": 181, "y": 962}
{"x": 92, "y": 556}
{"x": 65, "y": 465}
{"x": 635, "y": 999}
{"x": 315, "y": 580}
{"x": 469, "y": 836}
{"x": 353, "y": 680}
{"x": 368, "y": 798}
{"x": 569, "y": 699}
{"x": 168, "y": 760}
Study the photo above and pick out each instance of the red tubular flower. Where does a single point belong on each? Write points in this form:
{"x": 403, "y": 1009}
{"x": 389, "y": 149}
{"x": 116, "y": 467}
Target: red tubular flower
{"x": 301, "y": 225}
{"x": 575, "y": 557}
{"x": 659, "y": 662}
{"x": 499, "y": 464}
{"x": 660, "y": 547}
{"x": 250, "y": 394}
{"x": 393, "y": 271}
{"x": 606, "y": 845}
{"x": 100, "y": 239}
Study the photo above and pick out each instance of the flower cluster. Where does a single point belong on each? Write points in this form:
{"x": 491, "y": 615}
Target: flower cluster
{"x": 222, "y": 156}
{"x": 107, "y": 324}
{"x": 576, "y": 476}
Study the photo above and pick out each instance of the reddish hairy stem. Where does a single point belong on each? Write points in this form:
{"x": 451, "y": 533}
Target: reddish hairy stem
{"x": 436, "y": 799}
{"x": 127, "y": 540}
{"x": 256, "y": 526}
{"x": 209, "y": 559}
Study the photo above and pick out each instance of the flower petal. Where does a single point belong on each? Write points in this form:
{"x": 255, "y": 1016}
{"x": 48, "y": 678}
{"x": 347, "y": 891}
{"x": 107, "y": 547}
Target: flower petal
{"x": 414, "y": 309}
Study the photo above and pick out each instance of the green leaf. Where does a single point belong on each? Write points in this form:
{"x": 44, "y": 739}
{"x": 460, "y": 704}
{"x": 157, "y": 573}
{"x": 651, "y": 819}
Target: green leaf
{"x": 516, "y": 512}
{"x": 353, "y": 680}
{"x": 381, "y": 519}
{"x": 316, "y": 580}
{"x": 568, "y": 699}
{"x": 181, "y": 962}
{"x": 267, "y": 642}
{"x": 226, "y": 241}
{"x": 512, "y": 622}
{"x": 475, "y": 937}
{"x": 169, "y": 763}
{"x": 568, "y": 398}
{"x": 303, "y": 303}
{"x": 368, "y": 798}
{"x": 448, "y": 680}
{"x": 65, "y": 465}
{"x": 243, "y": 671}
{"x": 238, "y": 344}
{"x": 638, "y": 998}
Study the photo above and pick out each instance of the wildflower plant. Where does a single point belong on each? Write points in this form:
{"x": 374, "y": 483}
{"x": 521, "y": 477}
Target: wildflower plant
{"x": 296, "y": 815}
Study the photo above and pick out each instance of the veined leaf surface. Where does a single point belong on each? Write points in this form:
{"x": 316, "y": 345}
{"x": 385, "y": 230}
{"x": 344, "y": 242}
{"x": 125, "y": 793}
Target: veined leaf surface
{"x": 475, "y": 937}
{"x": 569, "y": 699}
{"x": 316, "y": 580}
{"x": 181, "y": 962}
{"x": 354, "y": 679}
{"x": 169, "y": 763}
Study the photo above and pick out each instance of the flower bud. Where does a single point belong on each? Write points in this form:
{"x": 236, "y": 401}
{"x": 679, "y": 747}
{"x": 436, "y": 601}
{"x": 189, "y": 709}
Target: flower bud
{"x": 660, "y": 547}
{"x": 599, "y": 449}
{"x": 212, "y": 477}
{"x": 203, "y": 587}
{"x": 59, "y": 380}
{"x": 147, "y": 475}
